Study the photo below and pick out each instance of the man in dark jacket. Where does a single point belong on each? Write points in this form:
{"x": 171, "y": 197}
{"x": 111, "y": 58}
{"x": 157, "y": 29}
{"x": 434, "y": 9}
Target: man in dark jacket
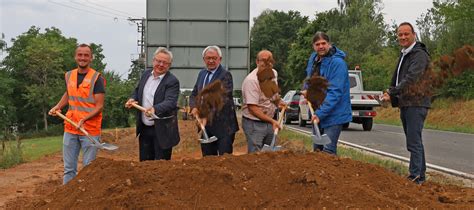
{"x": 404, "y": 92}
{"x": 335, "y": 111}
{"x": 158, "y": 92}
{"x": 224, "y": 122}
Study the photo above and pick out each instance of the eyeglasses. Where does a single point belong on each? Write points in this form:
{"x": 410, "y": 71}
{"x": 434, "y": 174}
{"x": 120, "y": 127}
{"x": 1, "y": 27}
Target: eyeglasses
{"x": 211, "y": 58}
{"x": 161, "y": 62}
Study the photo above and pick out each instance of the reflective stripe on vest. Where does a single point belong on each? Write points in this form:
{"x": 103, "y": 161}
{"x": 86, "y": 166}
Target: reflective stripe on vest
{"x": 82, "y": 102}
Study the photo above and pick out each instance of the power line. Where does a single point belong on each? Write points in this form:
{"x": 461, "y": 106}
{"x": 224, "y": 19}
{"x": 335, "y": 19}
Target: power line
{"x": 100, "y": 9}
{"x": 75, "y": 8}
{"x": 102, "y": 6}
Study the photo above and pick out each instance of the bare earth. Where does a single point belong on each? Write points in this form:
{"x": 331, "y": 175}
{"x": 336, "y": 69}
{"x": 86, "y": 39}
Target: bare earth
{"x": 288, "y": 179}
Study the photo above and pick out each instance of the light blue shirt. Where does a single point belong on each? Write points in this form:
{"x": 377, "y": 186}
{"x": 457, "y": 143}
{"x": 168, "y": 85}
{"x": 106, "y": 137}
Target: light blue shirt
{"x": 209, "y": 75}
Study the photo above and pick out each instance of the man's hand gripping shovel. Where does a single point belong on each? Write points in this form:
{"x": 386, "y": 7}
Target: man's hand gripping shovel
{"x": 272, "y": 146}
{"x": 94, "y": 142}
{"x": 317, "y": 138}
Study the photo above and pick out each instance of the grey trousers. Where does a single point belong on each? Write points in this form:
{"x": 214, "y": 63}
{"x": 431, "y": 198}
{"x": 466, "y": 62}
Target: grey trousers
{"x": 257, "y": 133}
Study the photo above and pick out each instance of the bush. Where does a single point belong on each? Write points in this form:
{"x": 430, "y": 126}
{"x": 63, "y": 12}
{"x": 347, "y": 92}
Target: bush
{"x": 53, "y": 130}
{"x": 460, "y": 87}
{"x": 10, "y": 155}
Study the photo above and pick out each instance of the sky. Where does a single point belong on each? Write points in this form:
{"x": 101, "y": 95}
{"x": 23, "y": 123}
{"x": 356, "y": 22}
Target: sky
{"x": 105, "y": 21}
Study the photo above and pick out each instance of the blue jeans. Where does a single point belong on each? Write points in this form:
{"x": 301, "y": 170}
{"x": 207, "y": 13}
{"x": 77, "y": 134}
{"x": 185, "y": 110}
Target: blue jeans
{"x": 72, "y": 145}
{"x": 413, "y": 119}
{"x": 333, "y": 133}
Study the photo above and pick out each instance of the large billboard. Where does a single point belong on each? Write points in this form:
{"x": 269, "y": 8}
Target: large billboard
{"x": 186, "y": 27}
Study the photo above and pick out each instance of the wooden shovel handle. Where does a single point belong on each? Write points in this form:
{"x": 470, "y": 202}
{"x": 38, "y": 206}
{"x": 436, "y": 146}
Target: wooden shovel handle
{"x": 72, "y": 122}
{"x": 311, "y": 110}
{"x": 141, "y": 108}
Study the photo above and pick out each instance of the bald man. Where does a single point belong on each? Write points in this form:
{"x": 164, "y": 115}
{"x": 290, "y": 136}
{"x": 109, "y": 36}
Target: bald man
{"x": 258, "y": 109}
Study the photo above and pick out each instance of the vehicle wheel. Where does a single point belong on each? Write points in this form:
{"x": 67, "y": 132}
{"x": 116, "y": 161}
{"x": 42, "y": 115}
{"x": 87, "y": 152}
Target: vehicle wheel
{"x": 286, "y": 119}
{"x": 345, "y": 126}
{"x": 301, "y": 122}
{"x": 367, "y": 124}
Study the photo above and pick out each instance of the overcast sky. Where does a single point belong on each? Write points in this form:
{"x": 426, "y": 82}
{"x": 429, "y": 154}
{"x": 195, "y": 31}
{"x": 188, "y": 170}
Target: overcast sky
{"x": 104, "y": 21}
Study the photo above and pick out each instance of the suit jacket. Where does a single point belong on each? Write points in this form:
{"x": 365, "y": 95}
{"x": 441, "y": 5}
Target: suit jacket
{"x": 412, "y": 73}
{"x": 225, "y": 121}
{"x": 165, "y": 103}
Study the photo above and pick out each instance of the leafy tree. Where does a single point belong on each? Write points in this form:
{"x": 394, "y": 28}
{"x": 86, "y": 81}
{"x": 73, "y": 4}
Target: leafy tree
{"x": 447, "y": 26}
{"x": 275, "y": 31}
{"x": 7, "y": 109}
{"x": 98, "y": 61}
{"x": 117, "y": 93}
{"x": 44, "y": 66}
{"x": 136, "y": 70}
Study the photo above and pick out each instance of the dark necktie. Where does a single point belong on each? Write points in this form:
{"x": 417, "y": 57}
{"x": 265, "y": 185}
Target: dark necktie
{"x": 207, "y": 79}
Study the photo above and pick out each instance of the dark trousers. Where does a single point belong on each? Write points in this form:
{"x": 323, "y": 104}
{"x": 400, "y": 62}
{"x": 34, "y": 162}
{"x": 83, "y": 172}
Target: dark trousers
{"x": 221, "y": 146}
{"x": 149, "y": 147}
{"x": 413, "y": 119}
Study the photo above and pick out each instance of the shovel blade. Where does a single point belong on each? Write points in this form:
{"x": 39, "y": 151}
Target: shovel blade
{"x": 267, "y": 148}
{"x": 209, "y": 140}
{"x": 106, "y": 146}
{"x": 323, "y": 140}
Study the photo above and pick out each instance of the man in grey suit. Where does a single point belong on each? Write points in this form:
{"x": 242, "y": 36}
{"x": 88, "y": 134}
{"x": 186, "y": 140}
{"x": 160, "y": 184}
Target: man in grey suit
{"x": 224, "y": 124}
{"x": 158, "y": 92}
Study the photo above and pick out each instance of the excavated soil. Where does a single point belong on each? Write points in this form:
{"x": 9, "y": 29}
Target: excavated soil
{"x": 287, "y": 179}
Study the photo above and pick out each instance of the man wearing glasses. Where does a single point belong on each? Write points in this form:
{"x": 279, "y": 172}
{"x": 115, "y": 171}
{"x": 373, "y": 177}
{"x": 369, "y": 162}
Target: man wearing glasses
{"x": 157, "y": 92}
{"x": 224, "y": 122}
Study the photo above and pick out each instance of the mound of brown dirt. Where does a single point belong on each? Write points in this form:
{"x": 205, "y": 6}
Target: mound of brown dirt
{"x": 264, "y": 180}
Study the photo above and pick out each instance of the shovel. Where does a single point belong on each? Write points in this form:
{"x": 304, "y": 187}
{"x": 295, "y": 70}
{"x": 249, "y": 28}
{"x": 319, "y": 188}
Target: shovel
{"x": 206, "y": 139}
{"x": 141, "y": 108}
{"x": 317, "y": 138}
{"x": 272, "y": 146}
{"x": 94, "y": 142}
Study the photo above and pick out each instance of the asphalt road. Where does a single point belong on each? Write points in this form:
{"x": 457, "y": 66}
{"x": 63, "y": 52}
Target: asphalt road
{"x": 447, "y": 149}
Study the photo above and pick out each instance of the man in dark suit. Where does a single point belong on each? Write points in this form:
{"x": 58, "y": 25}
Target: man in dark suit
{"x": 406, "y": 93}
{"x": 158, "y": 92}
{"x": 224, "y": 124}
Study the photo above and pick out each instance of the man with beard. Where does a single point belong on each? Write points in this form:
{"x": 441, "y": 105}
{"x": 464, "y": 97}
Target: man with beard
{"x": 85, "y": 93}
{"x": 328, "y": 62}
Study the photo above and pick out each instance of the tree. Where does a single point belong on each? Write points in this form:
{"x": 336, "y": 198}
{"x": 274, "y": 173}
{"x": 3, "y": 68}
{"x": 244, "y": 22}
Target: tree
{"x": 117, "y": 93}
{"x": 136, "y": 70}
{"x": 7, "y": 108}
{"x": 447, "y": 26}
{"x": 98, "y": 61}
{"x": 45, "y": 71}
{"x": 275, "y": 31}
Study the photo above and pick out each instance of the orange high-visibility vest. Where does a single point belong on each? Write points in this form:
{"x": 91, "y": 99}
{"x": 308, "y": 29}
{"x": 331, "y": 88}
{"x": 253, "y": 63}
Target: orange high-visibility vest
{"x": 82, "y": 102}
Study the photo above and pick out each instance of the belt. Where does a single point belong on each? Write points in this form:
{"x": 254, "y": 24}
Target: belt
{"x": 259, "y": 121}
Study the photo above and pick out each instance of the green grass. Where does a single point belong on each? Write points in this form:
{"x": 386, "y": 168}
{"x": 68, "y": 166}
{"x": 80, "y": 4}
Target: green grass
{"x": 31, "y": 149}
{"x": 457, "y": 128}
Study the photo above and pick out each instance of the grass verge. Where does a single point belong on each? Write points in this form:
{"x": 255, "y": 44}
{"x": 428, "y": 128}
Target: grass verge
{"x": 445, "y": 114}
{"x": 30, "y": 149}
